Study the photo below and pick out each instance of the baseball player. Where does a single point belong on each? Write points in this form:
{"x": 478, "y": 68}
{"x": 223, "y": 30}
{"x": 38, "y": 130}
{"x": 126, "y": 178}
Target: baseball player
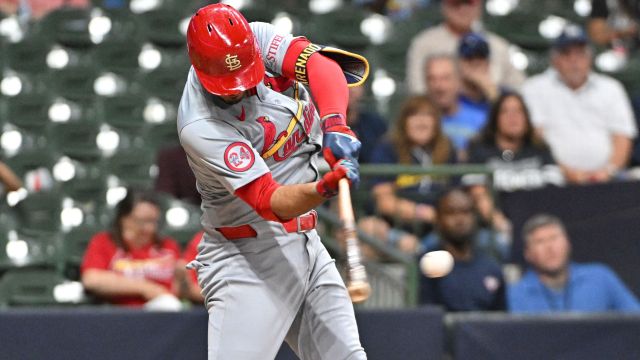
{"x": 252, "y": 136}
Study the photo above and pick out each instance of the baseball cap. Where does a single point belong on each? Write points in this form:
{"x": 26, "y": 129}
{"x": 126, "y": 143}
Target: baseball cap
{"x": 571, "y": 35}
{"x": 473, "y": 45}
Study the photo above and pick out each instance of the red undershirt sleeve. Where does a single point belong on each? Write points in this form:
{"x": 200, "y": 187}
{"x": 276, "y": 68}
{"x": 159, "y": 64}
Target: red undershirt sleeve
{"x": 258, "y": 195}
{"x": 326, "y": 80}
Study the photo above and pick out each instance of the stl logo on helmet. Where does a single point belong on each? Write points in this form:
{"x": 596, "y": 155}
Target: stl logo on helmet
{"x": 232, "y": 62}
{"x": 239, "y": 157}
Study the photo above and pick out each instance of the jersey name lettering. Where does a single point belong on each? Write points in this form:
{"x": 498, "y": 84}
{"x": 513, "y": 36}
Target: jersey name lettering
{"x": 273, "y": 48}
{"x": 301, "y": 62}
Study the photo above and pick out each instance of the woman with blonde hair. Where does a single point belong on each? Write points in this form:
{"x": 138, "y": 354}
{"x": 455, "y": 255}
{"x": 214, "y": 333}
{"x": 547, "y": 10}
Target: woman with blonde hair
{"x": 406, "y": 201}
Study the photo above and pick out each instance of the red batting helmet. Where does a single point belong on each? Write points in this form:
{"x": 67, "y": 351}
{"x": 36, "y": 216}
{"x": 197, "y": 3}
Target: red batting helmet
{"x": 223, "y": 50}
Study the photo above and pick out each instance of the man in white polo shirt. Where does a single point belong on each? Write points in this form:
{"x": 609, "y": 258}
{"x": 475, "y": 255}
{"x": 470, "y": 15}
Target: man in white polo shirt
{"x": 586, "y": 118}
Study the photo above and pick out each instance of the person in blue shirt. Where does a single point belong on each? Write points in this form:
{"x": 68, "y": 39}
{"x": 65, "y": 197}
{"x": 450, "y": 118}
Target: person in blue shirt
{"x": 476, "y": 282}
{"x": 554, "y": 283}
{"x": 461, "y": 121}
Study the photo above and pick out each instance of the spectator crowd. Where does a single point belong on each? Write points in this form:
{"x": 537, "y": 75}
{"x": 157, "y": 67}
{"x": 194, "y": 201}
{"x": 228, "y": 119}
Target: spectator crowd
{"x": 466, "y": 103}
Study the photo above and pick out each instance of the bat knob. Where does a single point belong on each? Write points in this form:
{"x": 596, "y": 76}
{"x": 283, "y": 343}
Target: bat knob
{"x": 359, "y": 291}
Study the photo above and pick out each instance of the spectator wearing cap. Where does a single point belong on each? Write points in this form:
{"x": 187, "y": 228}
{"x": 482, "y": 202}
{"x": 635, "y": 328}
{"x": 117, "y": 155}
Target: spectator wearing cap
{"x": 460, "y": 17}
{"x": 478, "y": 88}
{"x": 585, "y": 117}
{"x": 461, "y": 120}
{"x": 554, "y": 283}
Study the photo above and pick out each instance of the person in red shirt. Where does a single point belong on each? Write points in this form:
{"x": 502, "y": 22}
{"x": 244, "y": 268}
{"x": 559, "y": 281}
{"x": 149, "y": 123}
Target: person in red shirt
{"x": 132, "y": 264}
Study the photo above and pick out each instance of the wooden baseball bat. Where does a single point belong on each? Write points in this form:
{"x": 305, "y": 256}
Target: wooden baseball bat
{"x": 357, "y": 283}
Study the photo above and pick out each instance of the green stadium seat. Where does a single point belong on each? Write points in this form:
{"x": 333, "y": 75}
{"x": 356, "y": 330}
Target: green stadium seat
{"x": 29, "y": 287}
{"x": 174, "y": 225}
{"x": 75, "y": 84}
{"x": 123, "y": 112}
{"x": 161, "y": 135}
{"x": 345, "y": 29}
{"x": 76, "y": 139}
{"x": 40, "y": 211}
{"x": 75, "y": 243}
{"x": 124, "y": 25}
{"x": 166, "y": 83}
{"x": 28, "y": 112}
{"x": 31, "y": 159}
{"x": 132, "y": 166}
{"x": 161, "y": 27}
{"x": 87, "y": 186}
{"x": 67, "y": 26}
{"x": 28, "y": 55}
{"x": 120, "y": 56}
{"x": 519, "y": 28}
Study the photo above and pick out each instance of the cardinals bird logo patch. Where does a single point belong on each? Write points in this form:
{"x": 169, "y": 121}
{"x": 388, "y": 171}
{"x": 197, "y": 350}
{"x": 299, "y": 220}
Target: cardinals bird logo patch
{"x": 239, "y": 157}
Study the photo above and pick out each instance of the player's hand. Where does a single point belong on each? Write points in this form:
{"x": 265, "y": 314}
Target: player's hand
{"x": 339, "y": 142}
{"x": 343, "y": 169}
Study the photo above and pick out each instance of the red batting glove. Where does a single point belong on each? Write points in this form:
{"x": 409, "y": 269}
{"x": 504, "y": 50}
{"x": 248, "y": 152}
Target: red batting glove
{"x": 328, "y": 185}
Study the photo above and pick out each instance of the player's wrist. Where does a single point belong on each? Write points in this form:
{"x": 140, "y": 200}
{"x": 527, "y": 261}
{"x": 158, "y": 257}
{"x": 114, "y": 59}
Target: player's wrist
{"x": 333, "y": 121}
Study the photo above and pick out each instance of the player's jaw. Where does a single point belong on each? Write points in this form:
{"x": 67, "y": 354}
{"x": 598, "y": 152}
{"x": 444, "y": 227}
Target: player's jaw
{"x": 233, "y": 98}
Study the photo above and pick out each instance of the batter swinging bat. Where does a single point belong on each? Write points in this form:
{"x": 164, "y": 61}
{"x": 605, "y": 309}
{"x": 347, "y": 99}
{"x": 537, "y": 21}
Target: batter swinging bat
{"x": 357, "y": 283}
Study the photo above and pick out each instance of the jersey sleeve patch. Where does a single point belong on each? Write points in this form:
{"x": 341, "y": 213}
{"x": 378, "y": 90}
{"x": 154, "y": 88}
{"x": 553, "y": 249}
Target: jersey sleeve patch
{"x": 239, "y": 157}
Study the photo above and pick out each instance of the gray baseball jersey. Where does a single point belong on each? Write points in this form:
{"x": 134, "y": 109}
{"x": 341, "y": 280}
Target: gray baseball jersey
{"x": 279, "y": 285}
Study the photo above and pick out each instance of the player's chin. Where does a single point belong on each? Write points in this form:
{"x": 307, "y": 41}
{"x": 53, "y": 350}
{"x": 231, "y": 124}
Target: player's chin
{"x": 232, "y": 99}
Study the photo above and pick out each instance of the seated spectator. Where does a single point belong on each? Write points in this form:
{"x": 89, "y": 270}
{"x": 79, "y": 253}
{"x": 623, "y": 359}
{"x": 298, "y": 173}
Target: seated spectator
{"x": 476, "y": 281}
{"x": 460, "y": 17}
{"x": 36, "y": 9}
{"x": 586, "y": 118}
{"x": 368, "y": 125}
{"x": 555, "y": 284}
{"x": 478, "y": 88}
{"x": 615, "y": 23}
{"x": 190, "y": 287}
{"x": 131, "y": 264}
{"x": 175, "y": 176}
{"x": 460, "y": 120}
{"x": 509, "y": 146}
{"x": 406, "y": 201}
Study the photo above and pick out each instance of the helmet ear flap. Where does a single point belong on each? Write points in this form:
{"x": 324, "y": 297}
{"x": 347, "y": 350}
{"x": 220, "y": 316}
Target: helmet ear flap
{"x": 223, "y": 50}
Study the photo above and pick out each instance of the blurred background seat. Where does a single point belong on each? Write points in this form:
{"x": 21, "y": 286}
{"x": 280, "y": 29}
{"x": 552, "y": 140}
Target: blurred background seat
{"x": 132, "y": 166}
{"x": 30, "y": 287}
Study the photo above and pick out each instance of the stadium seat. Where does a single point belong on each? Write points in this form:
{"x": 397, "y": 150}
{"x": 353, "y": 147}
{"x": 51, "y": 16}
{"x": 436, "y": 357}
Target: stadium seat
{"x": 67, "y": 26}
{"x": 161, "y": 135}
{"x": 345, "y": 28}
{"x": 74, "y": 244}
{"x": 29, "y": 287}
{"x": 519, "y": 28}
{"x": 28, "y": 111}
{"x": 181, "y": 219}
{"x": 28, "y": 55}
{"x": 161, "y": 27}
{"x": 124, "y": 25}
{"x": 88, "y": 186}
{"x": 132, "y": 166}
{"x": 124, "y": 112}
{"x": 40, "y": 211}
{"x": 75, "y": 84}
{"x": 120, "y": 56}
{"x": 31, "y": 159}
{"x": 166, "y": 83}
{"x": 76, "y": 139}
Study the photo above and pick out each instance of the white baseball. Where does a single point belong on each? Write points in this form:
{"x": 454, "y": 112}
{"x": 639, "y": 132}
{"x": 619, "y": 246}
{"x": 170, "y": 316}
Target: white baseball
{"x": 436, "y": 263}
